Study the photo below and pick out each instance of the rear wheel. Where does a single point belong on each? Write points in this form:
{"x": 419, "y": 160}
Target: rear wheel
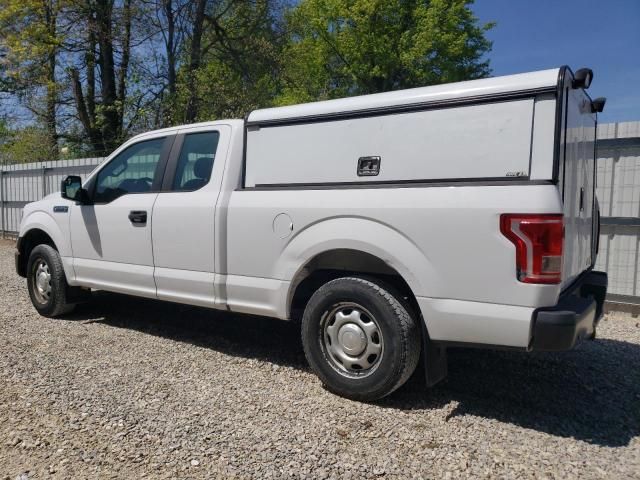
{"x": 47, "y": 283}
{"x": 359, "y": 338}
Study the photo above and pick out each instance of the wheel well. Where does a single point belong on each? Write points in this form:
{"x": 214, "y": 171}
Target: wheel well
{"x": 333, "y": 264}
{"x": 28, "y": 242}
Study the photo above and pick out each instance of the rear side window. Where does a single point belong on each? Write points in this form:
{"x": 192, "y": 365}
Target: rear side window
{"x": 196, "y": 160}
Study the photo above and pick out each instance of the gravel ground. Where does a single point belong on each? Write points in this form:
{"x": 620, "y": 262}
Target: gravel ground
{"x": 132, "y": 388}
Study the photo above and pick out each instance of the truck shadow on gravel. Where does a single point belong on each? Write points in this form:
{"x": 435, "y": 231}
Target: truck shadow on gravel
{"x": 591, "y": 393}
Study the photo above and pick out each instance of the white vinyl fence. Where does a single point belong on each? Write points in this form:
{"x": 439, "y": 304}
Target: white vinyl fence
{"x": 619, "y": 197}
{"x": 618, "y": 186}
{"x": 28, "y": 182}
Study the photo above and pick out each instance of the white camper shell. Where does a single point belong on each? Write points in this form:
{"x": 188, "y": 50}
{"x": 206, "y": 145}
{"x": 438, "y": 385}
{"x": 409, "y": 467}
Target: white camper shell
{"x": 390, "y": 224}
{"x": 476, "y": 130}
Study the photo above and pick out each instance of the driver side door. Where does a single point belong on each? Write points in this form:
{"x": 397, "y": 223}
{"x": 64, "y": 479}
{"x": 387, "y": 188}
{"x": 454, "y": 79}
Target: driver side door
{"x": 111, "y": 237}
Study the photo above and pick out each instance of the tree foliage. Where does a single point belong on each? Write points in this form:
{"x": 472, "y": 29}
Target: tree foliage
{"x": 90, "y": 73}
{"x": 29, "y": 44}
{"x": 239, "y": 62}
{"x": 352, "y": 47}
{"x": 25, "y": 145}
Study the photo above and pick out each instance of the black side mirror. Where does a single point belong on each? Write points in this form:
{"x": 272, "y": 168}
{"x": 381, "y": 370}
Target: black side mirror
{"x": 71, "y": 189}
{"x": 597, "y": 105}
{"x": 582, "y": 78}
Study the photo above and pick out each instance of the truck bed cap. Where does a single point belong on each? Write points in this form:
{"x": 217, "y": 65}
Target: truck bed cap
{"x": 523, "y": 82}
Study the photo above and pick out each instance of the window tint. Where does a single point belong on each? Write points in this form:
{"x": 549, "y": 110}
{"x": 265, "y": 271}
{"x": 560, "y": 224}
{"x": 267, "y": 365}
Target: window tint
{"x": 196, "y": 161}
{"x": 132, "y": 171}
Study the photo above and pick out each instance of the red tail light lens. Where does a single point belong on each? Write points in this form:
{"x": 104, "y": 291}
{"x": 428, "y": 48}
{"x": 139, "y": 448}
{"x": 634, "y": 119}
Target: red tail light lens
{"x": 539, "y": 240}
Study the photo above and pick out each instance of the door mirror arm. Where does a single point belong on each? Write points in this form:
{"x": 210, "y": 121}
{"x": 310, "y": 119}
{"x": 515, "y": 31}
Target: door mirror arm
{"x": 83, "y": 198}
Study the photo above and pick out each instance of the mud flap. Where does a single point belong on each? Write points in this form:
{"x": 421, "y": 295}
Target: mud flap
{"x": 434, "y": 357}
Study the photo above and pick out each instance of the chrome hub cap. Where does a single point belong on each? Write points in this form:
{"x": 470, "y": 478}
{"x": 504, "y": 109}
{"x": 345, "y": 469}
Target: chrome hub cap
{"x": 352, "y": 340}
{"x": 42, "y": 281}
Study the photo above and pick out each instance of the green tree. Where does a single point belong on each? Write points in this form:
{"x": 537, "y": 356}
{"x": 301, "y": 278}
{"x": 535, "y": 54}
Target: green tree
{"x": 339, "y": 48}
{"x": 233, "y": 60}
{"x": 100, "y": 82}
{"x": 25, "y": 145}
{"x": 93, "y": 72}
{"x": 30, "y": 40}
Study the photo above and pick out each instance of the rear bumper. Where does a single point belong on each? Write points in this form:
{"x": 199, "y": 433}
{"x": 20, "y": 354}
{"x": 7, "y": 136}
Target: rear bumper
{"x": 574, "y": 317}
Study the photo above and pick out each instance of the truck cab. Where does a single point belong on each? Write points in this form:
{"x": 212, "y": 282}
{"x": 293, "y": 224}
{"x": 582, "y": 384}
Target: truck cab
{"x": 390, "y": 225}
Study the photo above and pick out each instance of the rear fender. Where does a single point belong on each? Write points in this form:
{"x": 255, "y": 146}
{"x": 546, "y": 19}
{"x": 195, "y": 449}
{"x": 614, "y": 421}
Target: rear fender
{"x": 360, "y": 234}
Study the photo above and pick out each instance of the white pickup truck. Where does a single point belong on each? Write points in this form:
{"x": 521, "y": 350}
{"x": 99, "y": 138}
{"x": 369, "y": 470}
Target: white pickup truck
{"x": 392, "y": 225}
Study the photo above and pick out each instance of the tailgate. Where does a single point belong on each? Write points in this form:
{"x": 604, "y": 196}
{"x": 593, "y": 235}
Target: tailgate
{"x": 577, "y": 177}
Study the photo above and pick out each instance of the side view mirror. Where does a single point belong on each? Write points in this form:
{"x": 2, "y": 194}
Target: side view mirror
{"x": 597, "y": 105}
{"x": 71, "y": 189}
{"x": 583, "y": 78}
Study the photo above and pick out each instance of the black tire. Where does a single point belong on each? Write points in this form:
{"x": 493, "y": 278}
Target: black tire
{"x": 395, "y": 332}
{"x": 45, "y": 261}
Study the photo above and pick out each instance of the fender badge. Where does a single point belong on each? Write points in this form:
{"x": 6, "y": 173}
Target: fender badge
{"x": 60, "y": 209}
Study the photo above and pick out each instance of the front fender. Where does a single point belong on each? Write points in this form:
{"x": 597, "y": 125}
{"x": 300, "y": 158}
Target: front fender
{"x": 41, "y": 220}
{"x": 361, "y": 234}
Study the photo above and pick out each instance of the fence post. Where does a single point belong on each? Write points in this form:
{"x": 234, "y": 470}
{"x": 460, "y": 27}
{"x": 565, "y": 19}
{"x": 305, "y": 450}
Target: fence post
{"x": 44, "y": 181}
{"x": 2, "y": 199}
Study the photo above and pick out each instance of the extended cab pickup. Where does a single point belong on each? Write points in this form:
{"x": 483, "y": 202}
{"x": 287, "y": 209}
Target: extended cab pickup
{"x": 390, "y": 224}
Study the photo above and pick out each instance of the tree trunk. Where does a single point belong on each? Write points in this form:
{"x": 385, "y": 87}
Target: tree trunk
{"x": 170, "y": 45}
{"x": 90, "y": 59}
{"x": 111, "y": 126}
{"x": 191, "y": 112}
{"x": 95, "y": 138}
{"x": 51, "y": 95}
{"x": 124, "y": 66}
{"x": 52, "y": 101}
{"x": 167, "y": 113}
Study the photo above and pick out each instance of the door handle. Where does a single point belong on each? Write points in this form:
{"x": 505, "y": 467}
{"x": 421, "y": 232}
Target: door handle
{"x": 582, "y": 199}
{"x": 138, "y": 217}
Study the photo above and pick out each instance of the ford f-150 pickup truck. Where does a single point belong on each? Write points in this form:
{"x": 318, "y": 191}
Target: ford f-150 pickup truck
{"x": 392, "y": 225}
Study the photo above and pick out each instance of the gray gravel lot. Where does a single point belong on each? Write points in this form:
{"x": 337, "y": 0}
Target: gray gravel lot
{"x": 131, "y": 388}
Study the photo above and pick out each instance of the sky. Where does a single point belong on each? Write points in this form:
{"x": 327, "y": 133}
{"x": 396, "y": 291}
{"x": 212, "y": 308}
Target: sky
{"x": 603, "y": 35}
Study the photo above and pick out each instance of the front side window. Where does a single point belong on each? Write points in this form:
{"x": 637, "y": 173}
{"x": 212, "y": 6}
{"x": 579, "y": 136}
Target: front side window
{"x": 132, "y": 171}
{"x": 196, "y": 161}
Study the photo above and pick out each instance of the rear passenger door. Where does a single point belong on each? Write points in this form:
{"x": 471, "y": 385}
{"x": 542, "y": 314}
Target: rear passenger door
{"x": 184, "y": 216}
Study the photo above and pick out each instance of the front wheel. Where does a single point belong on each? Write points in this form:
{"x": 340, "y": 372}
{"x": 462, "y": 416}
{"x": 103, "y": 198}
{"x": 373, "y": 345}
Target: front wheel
{"x": 359, "y": 338}
{"x": 47, "y": 283}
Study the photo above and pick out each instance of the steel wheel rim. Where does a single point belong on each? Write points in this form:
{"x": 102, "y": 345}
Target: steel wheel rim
{"x": 42, "y": 281}
{"x": 351, "y": 340}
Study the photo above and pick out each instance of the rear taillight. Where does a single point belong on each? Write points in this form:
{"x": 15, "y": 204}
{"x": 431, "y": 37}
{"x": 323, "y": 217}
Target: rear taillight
{"x": 538, "y": 240}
